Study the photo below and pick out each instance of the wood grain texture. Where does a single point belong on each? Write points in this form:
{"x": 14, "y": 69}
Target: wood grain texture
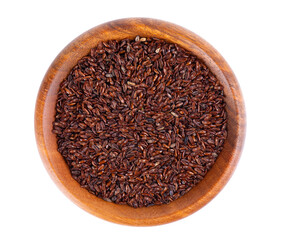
{"x": 201, "y": 194}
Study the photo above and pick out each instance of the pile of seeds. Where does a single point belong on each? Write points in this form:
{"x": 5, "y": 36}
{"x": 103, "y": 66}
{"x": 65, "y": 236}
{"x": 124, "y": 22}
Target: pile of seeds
{"x": 140, "y": 122}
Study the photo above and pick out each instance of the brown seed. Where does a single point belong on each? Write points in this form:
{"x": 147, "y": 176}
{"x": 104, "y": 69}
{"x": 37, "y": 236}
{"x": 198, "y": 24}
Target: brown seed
{"x": 131, "y": 83}
{"x": 140, "y": 121}
{"x": 174, "y": 114}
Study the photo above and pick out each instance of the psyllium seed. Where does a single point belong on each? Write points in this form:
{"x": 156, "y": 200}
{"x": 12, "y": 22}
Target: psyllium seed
{"x": 140, "y": 121}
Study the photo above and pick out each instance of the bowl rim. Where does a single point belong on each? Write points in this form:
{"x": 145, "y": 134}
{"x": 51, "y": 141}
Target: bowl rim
{"x": 58, "y": 68}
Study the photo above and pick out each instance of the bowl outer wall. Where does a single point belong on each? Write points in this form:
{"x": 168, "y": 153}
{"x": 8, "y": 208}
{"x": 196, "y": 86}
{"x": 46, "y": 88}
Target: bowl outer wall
{"x": 214, "y": 180}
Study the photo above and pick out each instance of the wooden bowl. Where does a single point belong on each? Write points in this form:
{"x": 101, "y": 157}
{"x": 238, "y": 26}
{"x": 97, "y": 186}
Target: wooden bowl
{"x": 202, "y": 193}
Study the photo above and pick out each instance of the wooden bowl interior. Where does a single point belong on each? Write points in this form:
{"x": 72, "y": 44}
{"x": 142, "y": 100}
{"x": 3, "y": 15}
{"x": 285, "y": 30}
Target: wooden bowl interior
{"x": 201, "y": 194}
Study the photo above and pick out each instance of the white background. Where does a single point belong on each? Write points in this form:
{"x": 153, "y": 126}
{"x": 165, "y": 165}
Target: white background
{"x": 251, "y": 35}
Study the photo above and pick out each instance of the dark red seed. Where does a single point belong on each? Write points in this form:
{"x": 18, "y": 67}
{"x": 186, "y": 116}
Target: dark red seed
{"x": 140, "y": 121}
